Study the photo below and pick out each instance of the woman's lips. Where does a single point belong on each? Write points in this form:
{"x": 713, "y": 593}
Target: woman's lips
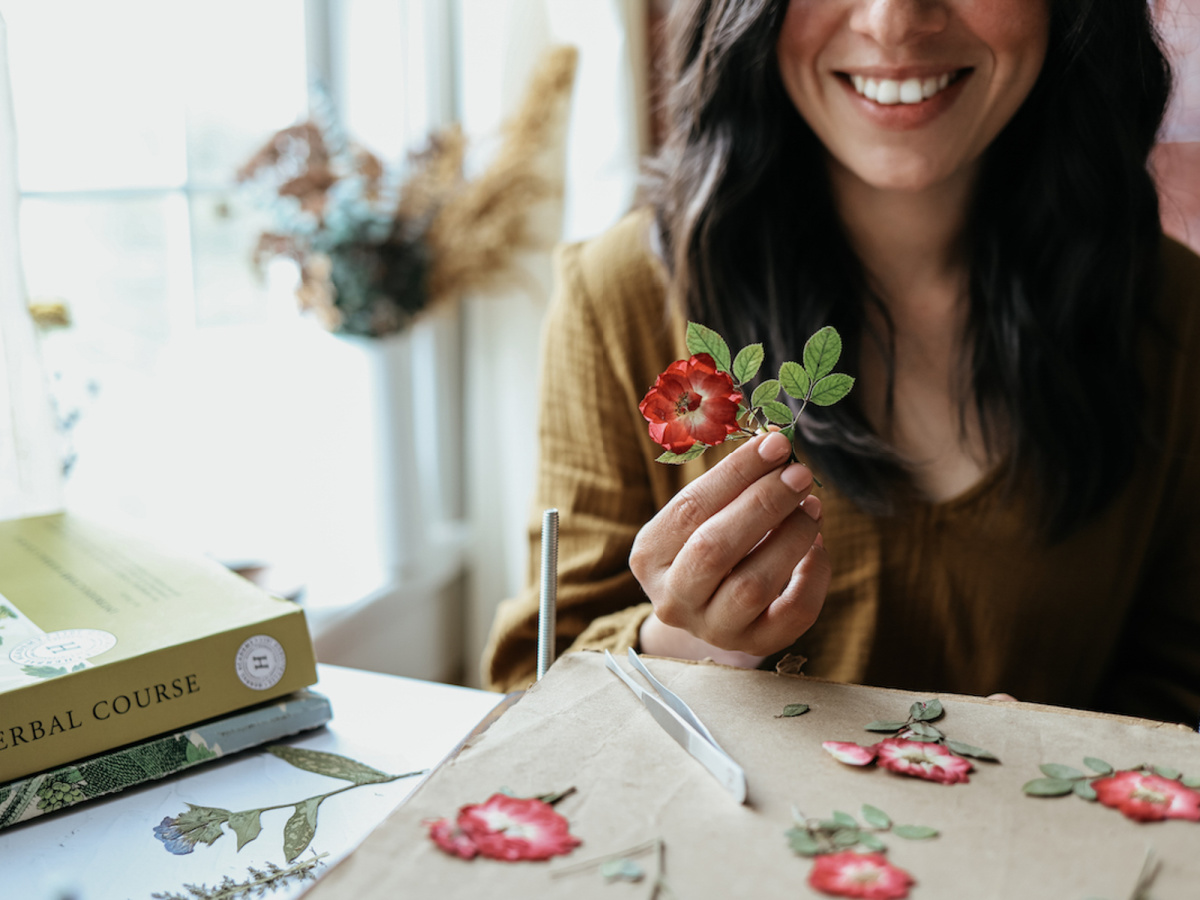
{"x": 903, "y": 103}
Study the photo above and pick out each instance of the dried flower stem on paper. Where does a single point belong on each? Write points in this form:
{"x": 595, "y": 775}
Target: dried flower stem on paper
{"x": 272, "y": 878}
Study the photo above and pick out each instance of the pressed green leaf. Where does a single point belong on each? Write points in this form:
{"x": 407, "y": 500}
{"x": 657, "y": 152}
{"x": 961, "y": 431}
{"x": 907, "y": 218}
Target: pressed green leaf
{"x": 1085, "y": 790}
{"x": 830, "y": 389}
{"x": 821, "y": 352}
{"x": 795, "y": 380}
{"x": 702, "y": 339}
{"x": 329, "y": 764}
{"x": 201, "y": 824}
{"x": 970, "y": 750}
{"x": 926, "y": 731}
{"x": 777, "y": 413}
{"x": 747, "y": 363}
{"x": 885, "y": 727}
{"x": 793, "y": 709}
{"x": 876, "y": 817}
{"x": 802, "y": 842}
{"x": 1048, "y": 787}
{"x": 300, "y": 828}
{"x": 847, "y": 837}
{"x": 927, "y": 711}
{"x": 623, "y": 869}
{"x": 246, "y": 825}
{"x": 1097, "y": 765}
{"x": 1192, "y": 781}
{"x": 844, "y": 819}
{"x": 768, "y": 390}
{"x": 675, "y": 459}
{"x": 915, "y": 832}
{"x": 1057, "y": 770}
{"x": 1167, "y": 772}
{"x": 871, "y": 842}
{"x": 830, "y": 825}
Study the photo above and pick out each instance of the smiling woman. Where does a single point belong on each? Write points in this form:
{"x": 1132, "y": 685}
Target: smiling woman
{"x": 961, "y": 190}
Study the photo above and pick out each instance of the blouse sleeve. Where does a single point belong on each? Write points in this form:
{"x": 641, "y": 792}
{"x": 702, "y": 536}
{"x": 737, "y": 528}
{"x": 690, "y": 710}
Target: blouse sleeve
{"x": 593, "y": 461}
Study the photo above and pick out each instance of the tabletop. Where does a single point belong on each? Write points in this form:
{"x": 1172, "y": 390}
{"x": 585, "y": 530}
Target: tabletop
{"x": 107, "y": 849}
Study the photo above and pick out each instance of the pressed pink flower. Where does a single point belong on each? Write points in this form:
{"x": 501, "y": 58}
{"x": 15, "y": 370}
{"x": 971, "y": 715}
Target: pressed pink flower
{"x": 1148, "y": 798}
{"x": 691, "y": 402}
{"x": 850, "y": 874}
{"x": 511, "y": 828}
{"x": 451, "y": 838}
{"x": 850, "y": 754}
{"x": 932, "y": 762}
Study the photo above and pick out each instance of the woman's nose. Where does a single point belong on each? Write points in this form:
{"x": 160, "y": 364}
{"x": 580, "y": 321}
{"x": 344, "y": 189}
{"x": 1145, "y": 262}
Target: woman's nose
{"x": 894, "y": 23}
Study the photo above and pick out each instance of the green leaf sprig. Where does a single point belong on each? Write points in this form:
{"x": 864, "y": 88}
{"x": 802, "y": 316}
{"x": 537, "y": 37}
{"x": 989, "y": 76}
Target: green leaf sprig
{"x": 812, "y": 381}
{"x": 1060, "y": 780}
{"x": 258, "y": 882}
{"x": 918, "y": 727}
{"x": 812, "y": 837}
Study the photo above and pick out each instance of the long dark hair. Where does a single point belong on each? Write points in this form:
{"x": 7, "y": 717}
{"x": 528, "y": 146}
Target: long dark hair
{"x": 1063, "y": 244}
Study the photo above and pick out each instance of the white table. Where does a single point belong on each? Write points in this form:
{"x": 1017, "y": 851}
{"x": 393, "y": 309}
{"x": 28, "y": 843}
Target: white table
{"x": 106, "y": 849}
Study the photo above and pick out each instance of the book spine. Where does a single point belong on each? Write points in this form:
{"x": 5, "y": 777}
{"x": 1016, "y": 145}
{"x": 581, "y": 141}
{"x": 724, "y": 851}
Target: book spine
{"x": 74, "y": 716}
{"x": 64, "y": 787}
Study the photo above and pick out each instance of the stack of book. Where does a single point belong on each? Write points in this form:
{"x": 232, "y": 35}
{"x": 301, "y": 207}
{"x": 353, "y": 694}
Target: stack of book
{"x": 122, "y": 661}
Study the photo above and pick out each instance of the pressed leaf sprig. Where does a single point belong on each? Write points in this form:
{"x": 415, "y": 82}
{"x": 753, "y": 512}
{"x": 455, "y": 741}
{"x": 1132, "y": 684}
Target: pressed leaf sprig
{"x": 202, "y": 824}
{"x": 919, "y": 748}
{"x": 622, "y": 866}
{"x": 849, "y": 857}
{"x": 256, "y": 884}
{"x": 701, "y": 402}
{"x": 1145, "y": 793}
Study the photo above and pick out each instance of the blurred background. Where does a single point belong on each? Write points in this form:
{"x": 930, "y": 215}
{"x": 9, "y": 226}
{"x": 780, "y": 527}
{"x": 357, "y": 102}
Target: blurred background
{"x": 378, "y": 472}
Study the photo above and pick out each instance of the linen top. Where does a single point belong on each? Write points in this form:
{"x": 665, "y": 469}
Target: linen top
{"x": 960, "y": 596}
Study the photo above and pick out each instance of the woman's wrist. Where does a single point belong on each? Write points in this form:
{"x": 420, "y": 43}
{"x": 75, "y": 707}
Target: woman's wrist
{"x": 658, "y": 639}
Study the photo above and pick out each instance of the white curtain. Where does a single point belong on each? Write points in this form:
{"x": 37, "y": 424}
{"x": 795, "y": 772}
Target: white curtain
{"x": 500, "y": 42}
{"x": 30, "y": 449}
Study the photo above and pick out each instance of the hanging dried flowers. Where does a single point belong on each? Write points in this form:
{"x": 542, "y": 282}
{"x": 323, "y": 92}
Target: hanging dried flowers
{"x": 700, "y": 402}
{"x": 1146, "y": 793}
{"x": 506, "y": 828}
{"x": 918, "y": 749}
{"x": 377, "y": 245}
{"x": 849, "y": 857}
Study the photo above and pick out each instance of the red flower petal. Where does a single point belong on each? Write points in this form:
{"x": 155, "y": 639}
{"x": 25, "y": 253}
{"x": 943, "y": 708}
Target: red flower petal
{"x": 849, "y": 753}
{"x": 451, "y": 838}
{"x": 932, "y": 762}
{"x": 1148, "y": 798}
{"x": 691, "y": 402}
{"x": 850, "y": 874}
{"x": 510, "y": 828}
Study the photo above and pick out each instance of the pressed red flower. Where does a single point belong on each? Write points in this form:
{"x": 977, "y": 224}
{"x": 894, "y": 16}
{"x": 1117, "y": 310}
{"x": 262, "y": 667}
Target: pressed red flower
{"x": 1147, "y": 797}
{"x": 850, "y": 874}
{"x": 932, "y": 762}
{"x": 451, "y": 838}
{"x": 691, "y": 402}
{"x": 511, "y": 828}
{"x": 851, "y": 754}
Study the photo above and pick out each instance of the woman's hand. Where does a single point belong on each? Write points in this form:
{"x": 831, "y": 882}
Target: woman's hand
{"x": 735, "y": 561}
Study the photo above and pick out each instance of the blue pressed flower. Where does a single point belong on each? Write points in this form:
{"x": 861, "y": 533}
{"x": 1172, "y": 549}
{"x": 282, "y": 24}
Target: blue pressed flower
{"x": 173, "y": 839}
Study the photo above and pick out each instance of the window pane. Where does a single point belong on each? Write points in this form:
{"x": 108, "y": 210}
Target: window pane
{"x": 121, "y": 265}
{"x": 96, "y": 93}
{"x": 245, "y": 79}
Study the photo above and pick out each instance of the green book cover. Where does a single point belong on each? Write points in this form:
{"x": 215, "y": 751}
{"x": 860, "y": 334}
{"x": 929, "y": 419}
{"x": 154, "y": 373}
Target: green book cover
{"x": 107, "y": 639}
{"x": 112, "y": 771}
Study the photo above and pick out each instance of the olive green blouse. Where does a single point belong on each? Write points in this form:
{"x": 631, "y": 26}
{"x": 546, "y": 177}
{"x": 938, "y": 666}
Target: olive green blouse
{"x": 961, "y": 596}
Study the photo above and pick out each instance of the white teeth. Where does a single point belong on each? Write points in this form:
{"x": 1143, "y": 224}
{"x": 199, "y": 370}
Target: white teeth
{"x": 889, "y": 92}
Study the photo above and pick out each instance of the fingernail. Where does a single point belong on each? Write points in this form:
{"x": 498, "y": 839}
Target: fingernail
{"x": 774, "y": 447}
{"x": 812, "y": 507}
{"x": 797, "y": 477}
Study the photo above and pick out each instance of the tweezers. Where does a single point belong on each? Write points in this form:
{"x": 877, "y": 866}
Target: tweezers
{"x": 683, "y": 725}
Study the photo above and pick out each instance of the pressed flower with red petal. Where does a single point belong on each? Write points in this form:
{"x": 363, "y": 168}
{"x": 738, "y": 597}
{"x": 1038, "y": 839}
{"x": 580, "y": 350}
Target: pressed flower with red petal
{"x": 451, "y": 838}
{"x": 851, "y": 754}
{"x": 1147, "y": 797}
{"x": 691, "y": 402}
{"x": 850, "y": 874}
{"x": 511, "y": 828}
{"x": 932, "y": 762}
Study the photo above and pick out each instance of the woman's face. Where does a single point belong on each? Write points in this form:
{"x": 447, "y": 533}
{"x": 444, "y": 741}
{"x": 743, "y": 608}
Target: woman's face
{"x": 906, "y": 94}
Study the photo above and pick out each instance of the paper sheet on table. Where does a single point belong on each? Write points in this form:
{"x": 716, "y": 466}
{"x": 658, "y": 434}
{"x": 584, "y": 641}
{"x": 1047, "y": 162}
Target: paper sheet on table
{"x": 581, "y": 727}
